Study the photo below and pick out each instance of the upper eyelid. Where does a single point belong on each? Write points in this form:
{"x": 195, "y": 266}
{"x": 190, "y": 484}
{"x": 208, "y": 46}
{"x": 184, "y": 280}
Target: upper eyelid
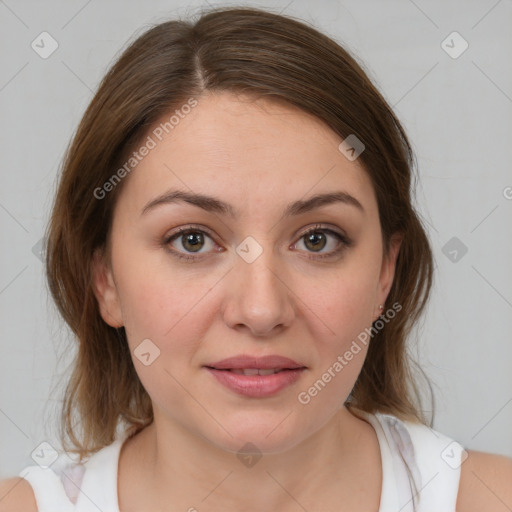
{"x": 301, "y": 233}
{"x": 343, "y": 237}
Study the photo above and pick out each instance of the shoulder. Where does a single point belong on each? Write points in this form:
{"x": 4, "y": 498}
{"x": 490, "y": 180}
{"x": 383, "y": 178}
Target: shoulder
{"x": 485, "y": 483}
{"x": 16, "y": 495}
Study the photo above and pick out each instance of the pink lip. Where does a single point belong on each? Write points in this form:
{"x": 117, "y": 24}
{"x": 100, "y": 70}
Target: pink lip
{"x": 256, "y": 386}
{"x": 243, "y": 361}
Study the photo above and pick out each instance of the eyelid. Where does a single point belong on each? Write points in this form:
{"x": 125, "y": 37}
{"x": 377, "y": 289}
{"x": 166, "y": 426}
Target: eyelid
{"x": 187, "y": 228}
{"x": 324, "y": 227}
{"x": 344, "y": 242}
{"x": 175, "y": 234}
{"x": 298, "y": 235}
{"x": 343, "y": 239}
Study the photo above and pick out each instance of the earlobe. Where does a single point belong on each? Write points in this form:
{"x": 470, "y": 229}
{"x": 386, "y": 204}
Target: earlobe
{"x": 105, "y": 291}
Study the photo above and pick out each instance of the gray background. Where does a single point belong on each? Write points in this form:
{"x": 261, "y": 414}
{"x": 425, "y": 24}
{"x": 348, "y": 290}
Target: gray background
{"x": 457, "y": 112}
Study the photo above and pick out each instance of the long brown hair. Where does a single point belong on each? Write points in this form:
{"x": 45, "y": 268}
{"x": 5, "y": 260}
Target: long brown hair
{"x": 242, "y": 50}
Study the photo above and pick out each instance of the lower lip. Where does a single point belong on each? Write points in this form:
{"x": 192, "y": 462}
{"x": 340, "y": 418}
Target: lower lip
{"x": 257, "y": 386}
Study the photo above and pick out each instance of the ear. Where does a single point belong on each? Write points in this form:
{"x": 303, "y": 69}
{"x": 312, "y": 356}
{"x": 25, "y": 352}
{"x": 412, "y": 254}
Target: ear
{"x": 387, "y": 272}
{"x": 105, "y": 290}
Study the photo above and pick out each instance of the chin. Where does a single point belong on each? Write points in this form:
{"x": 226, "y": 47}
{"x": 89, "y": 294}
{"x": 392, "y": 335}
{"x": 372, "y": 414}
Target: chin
{"x": 270, "y": 433}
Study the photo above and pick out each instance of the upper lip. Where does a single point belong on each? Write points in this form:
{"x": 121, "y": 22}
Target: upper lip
{"x": 243, "y": 362}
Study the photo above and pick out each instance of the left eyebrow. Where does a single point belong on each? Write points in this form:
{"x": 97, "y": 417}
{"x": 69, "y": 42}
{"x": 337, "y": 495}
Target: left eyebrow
{"x": 215, "y": 205}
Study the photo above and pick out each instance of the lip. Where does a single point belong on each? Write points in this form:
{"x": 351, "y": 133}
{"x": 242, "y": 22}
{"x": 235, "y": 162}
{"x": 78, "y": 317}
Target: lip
{"x": 243, "y": 362}
{"x": 256, "y": 386}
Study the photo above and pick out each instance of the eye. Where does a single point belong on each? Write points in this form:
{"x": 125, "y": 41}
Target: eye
{"x": 317, "y": 238}
{"x": 190, "y": 239}
{"x": 187, "y": 242}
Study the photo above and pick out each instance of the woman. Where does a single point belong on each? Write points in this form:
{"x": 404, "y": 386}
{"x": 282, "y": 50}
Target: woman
{"x": 234, "y": 246}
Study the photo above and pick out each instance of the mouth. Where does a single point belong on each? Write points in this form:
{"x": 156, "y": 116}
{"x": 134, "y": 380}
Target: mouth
{"x": 254, "y": 371}
{"x": 256, "y": 382}
{"x": 273, "y": 363}
{"x": 256, "y": 377}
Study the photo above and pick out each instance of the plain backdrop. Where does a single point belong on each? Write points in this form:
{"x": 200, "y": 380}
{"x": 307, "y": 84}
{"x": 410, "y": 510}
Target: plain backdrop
{"x": 455, "y": 103}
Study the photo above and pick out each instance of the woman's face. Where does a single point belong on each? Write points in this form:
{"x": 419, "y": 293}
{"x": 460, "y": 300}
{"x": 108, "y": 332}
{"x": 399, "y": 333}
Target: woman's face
{"x": 246, "y": 280}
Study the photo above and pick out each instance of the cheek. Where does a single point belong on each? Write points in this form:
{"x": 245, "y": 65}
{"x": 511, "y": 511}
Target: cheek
{"x": 171, "y": 319}
{"x": 162, "y": 304}
{"x": 346, "y": 302}
{"x": 342, "y": 352}
{"x": 341, "y": 343}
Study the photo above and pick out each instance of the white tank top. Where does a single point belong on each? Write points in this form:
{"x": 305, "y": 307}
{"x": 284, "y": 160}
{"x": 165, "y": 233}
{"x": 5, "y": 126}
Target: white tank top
{"x": 420, "y": 472}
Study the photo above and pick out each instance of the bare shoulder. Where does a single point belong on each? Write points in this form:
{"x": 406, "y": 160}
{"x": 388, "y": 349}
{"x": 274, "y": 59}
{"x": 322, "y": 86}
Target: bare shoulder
{"x": 16, "y": 495}
{"x": 485, "y": 483}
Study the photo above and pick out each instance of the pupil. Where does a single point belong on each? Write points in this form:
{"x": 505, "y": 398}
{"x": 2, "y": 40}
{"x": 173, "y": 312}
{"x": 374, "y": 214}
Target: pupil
{"x": 194, "y": 239}
{"x": 314, "y": 238}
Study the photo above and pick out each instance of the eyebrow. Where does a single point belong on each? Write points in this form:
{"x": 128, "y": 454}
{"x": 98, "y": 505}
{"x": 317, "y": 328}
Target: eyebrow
{"x": 215, "y": 205}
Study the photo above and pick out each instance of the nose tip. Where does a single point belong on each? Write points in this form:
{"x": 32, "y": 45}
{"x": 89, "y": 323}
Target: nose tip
{"x": 260, "y": 301}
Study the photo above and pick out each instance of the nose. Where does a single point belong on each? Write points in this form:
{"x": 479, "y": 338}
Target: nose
{"x": 259, "y": 299}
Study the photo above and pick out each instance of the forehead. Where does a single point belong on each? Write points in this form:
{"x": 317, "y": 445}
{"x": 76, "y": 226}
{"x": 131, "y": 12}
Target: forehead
{"x": 251, "y": 152}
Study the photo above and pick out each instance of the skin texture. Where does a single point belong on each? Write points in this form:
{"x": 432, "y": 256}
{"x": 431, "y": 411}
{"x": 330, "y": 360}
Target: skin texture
{"x": 484, "y": 485}
{"x": 258, "y": 157}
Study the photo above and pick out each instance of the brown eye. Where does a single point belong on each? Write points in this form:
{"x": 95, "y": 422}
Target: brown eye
{"x": 317, "y": 239}
{"x": 188, "y": 241}
{"x": 192, "y": 241}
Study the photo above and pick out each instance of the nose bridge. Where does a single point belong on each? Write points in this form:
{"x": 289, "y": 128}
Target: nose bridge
{"x": 258, "y": 268}
{"x": 261, "y": 300}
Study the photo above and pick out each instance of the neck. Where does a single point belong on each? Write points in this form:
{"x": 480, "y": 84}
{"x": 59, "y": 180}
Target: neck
{"x": 181, "y": 468}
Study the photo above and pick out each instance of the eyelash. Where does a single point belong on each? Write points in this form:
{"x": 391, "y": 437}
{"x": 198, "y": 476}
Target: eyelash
{"x": 344, "y": 241}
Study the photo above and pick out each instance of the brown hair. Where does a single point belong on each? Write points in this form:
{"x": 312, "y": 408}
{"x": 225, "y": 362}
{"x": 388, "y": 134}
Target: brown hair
{"x": 241, "y": 50}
